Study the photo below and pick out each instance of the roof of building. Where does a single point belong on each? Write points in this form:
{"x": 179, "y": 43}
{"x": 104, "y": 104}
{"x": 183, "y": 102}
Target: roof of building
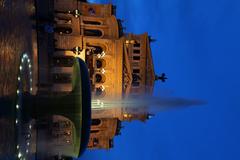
{"x": 150, "y": 67}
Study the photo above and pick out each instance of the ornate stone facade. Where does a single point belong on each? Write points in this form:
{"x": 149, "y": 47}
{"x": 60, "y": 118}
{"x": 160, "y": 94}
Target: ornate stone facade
{"x": 120, "y": 65}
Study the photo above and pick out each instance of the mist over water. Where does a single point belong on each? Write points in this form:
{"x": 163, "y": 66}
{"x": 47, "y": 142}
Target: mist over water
{"x": 153, "y": 103}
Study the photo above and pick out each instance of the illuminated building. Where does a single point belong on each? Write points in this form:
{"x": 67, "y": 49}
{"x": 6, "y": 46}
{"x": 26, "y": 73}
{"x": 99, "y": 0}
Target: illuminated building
{"x": 120, "y": 65}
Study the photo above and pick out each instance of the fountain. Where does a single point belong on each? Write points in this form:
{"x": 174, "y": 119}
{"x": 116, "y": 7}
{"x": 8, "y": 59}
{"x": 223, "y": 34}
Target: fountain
{"x": 49, "y": 126}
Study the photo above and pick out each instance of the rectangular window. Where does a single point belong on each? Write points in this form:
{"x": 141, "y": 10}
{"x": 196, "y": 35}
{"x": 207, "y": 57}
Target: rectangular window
{"x": 136, "y": 51}
{"x": 92, "y": 32}
{"x": 137, "y": 58}
{"x": 136, "y": 45}
{"x": 136, "y": 70}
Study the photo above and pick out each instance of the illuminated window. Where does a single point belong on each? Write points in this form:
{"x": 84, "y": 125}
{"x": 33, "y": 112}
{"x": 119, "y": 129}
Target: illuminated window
{"x": 68, "y": 141}
{"x": 125, "y": 115}
{"x": 67, "y": 133}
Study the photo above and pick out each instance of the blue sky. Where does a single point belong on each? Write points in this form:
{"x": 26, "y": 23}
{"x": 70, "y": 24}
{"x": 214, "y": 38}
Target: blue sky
{"x": 198, "y": 46}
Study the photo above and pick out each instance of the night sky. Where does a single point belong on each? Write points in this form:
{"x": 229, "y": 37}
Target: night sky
{"x": 198, "y": 46}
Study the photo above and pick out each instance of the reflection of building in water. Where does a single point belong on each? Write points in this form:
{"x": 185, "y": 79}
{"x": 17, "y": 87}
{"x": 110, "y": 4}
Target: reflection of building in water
{"x": 120, "y": 65}
{"x": 63, "y": 133}
{"x": 62, "y": 130}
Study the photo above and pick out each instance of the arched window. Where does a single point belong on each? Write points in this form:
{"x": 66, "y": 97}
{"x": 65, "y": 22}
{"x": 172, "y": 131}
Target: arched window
{"x": 96, "y": 122}
{"x": 100, "y": 92}
{"x": 92, "y": 32}
{"x": 100, "y": 78}
{"x": 96, "y": 49}
{"x": 100, "y": 63}
{"x": 91, "y": 22}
